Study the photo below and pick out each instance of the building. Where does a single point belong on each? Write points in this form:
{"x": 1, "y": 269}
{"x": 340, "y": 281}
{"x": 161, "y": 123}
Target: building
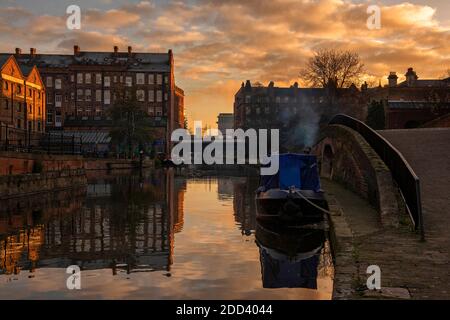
{"x": 225, "y": 121}
{"x": 22, "y": 102}
{"x": 297, "y": 112}
{"x": 179, "y": 108}
{"x": 413, "y": 102}
{"x": 82, "y": 86}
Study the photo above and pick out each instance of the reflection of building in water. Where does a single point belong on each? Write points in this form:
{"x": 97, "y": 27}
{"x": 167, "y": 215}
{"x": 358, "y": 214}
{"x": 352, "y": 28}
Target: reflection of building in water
{"x": 126, "y": 222}
{"x": 23, "y": 246}
{"x": 244, "y": 204}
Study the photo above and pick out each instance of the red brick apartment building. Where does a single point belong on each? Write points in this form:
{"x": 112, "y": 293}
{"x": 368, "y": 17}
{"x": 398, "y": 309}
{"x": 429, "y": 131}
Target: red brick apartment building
{"x": 80, "y": 87}
{"x": 22, "y": 102}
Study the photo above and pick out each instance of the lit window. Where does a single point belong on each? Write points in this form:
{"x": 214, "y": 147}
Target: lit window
{"x": 98, "y": 78}
{"x": 87, "y": 78}
{"x": 80, "y": 94}
{"x": 98, "y": 95}
{"x": 151, "y": 96}
{"x": 58, "y": 100}
{"x": 57, "y": 83}
{"x": 106, "y": 82}
{"x": 79, "y": 78}
{"x": 159, "y": 96}
{"x": 87, "y": 94}
{"x": 159, "y": 79}
{"x": 140, "y": 78}
{"x": 129, "y": 81}
{"x": 49, "y": 82}
{"x": 140, "y": 95}
{"x": 106, "y": 97}
{"x": 151, "y": 79}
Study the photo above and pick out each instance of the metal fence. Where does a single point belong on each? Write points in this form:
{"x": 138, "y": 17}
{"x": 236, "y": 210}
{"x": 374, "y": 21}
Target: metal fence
{"x": 401, "y": 171}
{"x": 20, "y": 140}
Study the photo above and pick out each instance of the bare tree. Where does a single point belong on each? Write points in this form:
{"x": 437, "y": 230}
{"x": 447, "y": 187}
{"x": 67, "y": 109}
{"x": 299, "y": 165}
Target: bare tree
{"x": 341, "y": 67}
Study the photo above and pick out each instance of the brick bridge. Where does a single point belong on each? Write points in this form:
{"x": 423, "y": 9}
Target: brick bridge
{"x": 379, "y": 232}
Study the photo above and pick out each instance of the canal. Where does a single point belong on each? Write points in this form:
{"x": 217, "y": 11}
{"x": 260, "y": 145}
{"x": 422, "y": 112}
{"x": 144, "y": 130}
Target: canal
{"x": 157, "y": 237}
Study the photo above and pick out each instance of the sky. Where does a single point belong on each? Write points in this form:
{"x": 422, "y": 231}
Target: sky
{"x": 218, "y": 44}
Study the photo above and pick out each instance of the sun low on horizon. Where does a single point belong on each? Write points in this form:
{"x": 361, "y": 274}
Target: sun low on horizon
{"x": 219, "y": 44}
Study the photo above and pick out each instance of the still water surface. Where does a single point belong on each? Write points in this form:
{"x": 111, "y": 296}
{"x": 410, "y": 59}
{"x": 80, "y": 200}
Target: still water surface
{"x": 160, "y": 237}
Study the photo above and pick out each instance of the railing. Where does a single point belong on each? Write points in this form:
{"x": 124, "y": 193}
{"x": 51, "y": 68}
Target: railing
{"x": 401, "y": 171}
{"x": 20, "y": 140}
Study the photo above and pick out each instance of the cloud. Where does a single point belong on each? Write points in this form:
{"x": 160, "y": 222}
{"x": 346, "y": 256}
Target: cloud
{"x": 220, "y": 42}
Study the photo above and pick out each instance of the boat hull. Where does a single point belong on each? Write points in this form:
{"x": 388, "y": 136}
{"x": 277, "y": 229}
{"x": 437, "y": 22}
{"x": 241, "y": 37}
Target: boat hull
{"x": 290, "y": 207}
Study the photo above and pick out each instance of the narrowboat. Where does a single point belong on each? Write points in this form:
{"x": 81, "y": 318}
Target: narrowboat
{"x": 293, "y": 194}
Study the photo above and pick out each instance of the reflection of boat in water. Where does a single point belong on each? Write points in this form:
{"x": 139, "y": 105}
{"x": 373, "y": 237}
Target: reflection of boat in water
{"x": 289, "y": 256}
{"x": 294, "y": 193}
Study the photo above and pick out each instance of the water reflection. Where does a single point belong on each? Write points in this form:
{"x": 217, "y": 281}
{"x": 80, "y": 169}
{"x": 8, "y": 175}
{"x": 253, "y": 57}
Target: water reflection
{"x": 159, "y": 236}
{"x": 292, "y": 257}
{"x": 120, "y": 223}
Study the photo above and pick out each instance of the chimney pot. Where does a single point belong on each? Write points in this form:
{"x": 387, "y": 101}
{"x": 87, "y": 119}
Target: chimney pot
{"x": 116, "y": 49}
{"x": 130, "y": 49}
{"x": 32, "y": 52}
{"x": 76, "y": 50}
{"x": 18, "y": 51}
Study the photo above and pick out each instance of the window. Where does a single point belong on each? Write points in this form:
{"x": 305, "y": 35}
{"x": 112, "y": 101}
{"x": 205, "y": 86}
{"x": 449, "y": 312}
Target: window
{"x": 106, "y": 81}
{"x": 248, "y": 110}
{"x": 151, "y": 96}
{"x": 87, "y": 78}
{"x": 106, "y": 97}
{"x": 57, "y": 83}
{"x": 151, "y": 79}
{"x": 19, "y": 123}
{"x": 58, "y": 100}
{"x": 87, "y": 94}
{"x": 159, "y": 96}
{"x": 159, "y": 79}
{"x": 98, "y": 95}
{"x": 6, "y": 104}
{"x": 49, "y": 82}
{"x": 30, "y": 92}
{"x": 166, "y": 79}
{"x": 49, "y": 117}
{"x": 49, "y": 98}
{"x": 72, "y": 78}
{"x": 39, "y": 126}
{"x": 286, "y": 99}
{"x": 72, "y": 95}
{"x": 19, "y": 88}
{"x": 267, "y": 110}
{"x": 140, "y": 95}
{"x": 151, "y": 111}
{"x": 80, "y": 94}
{"x": 158, "y": 111}
{"x": 98, "y": 78}
{"x": 6, "y": 85}
{"x": 121, "y": 79}
{"x": 258, "y": 110}
{"x": 140, "y": 78}
{"x": 115, "y": 79}
{"x": 39, "y": 111}
{"x": 277, "y": 99}
{"x": 129, "y": 81}
{"x": 30, "y": 109}
{"x": 79, "y": 78}
{"x": 248, "y": 99}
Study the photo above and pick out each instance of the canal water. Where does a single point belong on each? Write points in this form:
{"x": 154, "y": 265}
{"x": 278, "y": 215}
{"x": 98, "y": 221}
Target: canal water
{"x": 157, "y": 237}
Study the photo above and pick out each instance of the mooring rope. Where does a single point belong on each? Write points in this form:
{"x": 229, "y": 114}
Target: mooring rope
{"x": 312, "y": 203}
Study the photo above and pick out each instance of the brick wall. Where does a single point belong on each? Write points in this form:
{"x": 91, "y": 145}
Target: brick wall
{"x": 13, "y": 163}
{"x": 347, "y": 158}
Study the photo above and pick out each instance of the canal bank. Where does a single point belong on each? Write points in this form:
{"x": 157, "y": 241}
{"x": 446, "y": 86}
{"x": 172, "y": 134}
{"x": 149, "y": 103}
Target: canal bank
{"x": 360, "y": 240}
